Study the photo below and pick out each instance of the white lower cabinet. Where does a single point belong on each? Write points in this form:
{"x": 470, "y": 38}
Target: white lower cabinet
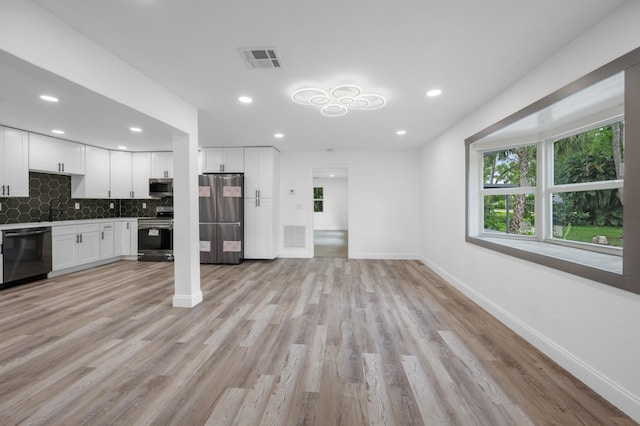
{"x": 126, "y": 238}
{"x": 75, "y": 245}
{"x": 107, "y": 234}
{"x": 259, "y": 233}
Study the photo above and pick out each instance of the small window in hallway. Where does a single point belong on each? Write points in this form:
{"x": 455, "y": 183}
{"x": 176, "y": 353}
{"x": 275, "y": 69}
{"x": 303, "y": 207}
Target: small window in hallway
{"x": 318, "y": 202}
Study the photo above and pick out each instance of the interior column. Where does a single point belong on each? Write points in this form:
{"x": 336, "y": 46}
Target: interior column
{"x": 187, "y": 291}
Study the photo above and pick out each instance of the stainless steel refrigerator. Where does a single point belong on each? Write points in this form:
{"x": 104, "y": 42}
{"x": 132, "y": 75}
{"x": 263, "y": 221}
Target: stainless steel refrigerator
{"x": 221, "y": 198}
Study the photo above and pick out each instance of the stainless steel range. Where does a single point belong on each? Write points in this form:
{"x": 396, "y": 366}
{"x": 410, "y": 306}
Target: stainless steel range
{"x": 155, "y": 236}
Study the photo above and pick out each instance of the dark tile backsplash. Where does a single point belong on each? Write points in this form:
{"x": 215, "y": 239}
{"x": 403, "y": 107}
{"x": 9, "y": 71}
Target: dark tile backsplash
{"x": 53, "y": 192}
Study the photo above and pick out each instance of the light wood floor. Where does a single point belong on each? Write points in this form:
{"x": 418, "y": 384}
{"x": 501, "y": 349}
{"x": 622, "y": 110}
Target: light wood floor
{"x": 288, "y": 342}
{"x": 330, "y": 243}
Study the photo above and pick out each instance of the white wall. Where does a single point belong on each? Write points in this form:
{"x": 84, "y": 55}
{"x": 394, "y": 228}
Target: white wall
{"x": 335, "y": 202}
{"x": 384, "y": 204}
{"x": 591, "y": 329}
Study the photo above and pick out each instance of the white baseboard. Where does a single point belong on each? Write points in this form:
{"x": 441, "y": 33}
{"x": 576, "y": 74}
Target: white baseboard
{"x": 384, "y": 256}
{"x": 82, "y": 267}
{"x": 187, "y": 300}
{"x": 607, "y": 388}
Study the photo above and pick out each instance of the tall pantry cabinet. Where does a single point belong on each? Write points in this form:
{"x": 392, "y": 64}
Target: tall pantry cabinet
{"x": 261, "y": 182}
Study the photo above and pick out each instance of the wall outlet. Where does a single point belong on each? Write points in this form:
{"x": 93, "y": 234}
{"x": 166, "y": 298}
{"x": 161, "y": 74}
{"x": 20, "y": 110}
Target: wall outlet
{"x": 110, "y": 205}
{"x": 144, "y": 205}
{"x": 77, "y": 206}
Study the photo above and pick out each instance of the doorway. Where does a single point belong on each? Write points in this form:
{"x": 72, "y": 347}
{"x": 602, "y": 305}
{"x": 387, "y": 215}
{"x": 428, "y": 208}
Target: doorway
{"x": 331, "y": 212}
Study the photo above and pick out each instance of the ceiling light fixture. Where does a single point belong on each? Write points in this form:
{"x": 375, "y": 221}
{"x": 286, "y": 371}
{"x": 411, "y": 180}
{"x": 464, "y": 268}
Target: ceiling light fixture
{"x": 58, "y": 132}
{"x": 245, "y": 99}
{"x": 135, "y": 129}
{"x": 401, "y": 132}
{"x": 48, "y": 98}
{"x": 339, "y": 100}
{"x": 434, "y": 92}
{"x": 278, "y": 135}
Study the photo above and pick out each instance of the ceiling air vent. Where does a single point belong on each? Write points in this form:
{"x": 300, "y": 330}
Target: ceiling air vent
{"x": 261, "y": 58}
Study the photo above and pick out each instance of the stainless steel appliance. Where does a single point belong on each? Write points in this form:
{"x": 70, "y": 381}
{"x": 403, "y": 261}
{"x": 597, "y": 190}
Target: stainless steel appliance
{"x": 26, "y": 253}
{"x": 155, "y": 236}
{"x": 221, "y": 198}
{"x": 161, "y": 187}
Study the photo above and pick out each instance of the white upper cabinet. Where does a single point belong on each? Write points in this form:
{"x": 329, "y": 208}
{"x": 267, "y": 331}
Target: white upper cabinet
{"x": 95, "y": 183}
{"x": 222, "y": 160}
{"x": 14, "y": 163}
{"x": 260, "y": 168}
{"x": 141, "y": 172}
{"x": 121, "y": 183}
{"x": 162, "y": 164}
{"x": 52, "y": 155}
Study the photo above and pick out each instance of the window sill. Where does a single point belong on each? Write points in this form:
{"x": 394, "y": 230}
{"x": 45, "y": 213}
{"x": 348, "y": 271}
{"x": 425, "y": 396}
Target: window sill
{"x": 605, "y": 268}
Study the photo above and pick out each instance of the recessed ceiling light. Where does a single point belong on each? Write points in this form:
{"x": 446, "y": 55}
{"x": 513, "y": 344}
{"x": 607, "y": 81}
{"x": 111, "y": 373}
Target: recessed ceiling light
{"x": 58, "y": 132}
{"x": 279, "y": 135}
{"x": 122, "y": 147}
{"x": 245, "y": 99}
{"x": 135, "y": 129}
{"x": 434, "y": 92}
{"x": 401, "y": 132}
{"x": 331, "y": 175}
{"x": 48, "y": 98}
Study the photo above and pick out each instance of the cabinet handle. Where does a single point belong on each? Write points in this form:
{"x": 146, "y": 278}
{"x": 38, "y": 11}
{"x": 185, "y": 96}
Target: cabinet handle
{"x": 127, "y": 225}
{"x": 80, "y": 237}
{"x": 59, "y": 167}
{"x": 8, "y": 189}
{"x": 63, "y": 167}
{"x": 2, "y": 189}
{"x": 102, "y": 236}
{"x": 77, "y": 238}
{"x": 258, "y": 193}
{"x": 109, "y": 191}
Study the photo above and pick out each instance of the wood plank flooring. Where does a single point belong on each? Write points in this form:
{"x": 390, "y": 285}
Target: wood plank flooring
{"x": 288, "y": 342}
{"x": 331, "y": 244}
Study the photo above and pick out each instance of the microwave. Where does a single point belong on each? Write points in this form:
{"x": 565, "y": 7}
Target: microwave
{"x": 160, "y": 187}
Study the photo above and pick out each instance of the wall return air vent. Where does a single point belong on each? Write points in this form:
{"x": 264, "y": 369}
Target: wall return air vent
{"x": 261, "y": 58}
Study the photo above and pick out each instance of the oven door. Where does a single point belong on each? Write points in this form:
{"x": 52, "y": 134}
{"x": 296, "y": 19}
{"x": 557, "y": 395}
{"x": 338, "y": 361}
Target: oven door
{"x": 155, "y": 241}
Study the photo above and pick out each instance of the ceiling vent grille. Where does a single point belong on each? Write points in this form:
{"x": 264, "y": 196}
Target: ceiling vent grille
{"x": 261, "y": 58}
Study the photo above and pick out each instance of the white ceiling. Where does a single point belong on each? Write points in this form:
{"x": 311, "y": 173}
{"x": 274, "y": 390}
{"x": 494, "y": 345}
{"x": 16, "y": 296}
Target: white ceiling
{"x": 471, "y": 50}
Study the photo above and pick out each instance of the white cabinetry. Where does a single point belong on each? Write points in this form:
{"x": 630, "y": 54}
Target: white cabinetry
{"x": 14, "y": 163}
{"x": 126, "y": 238}
{"x": 120, "y": 174}
{"x": 107, "y": 240}
{"x": 1, "y": 262}
{"x": 95, "y": 183}
{"x": 222, "y": 160}
{"x": 259, "y": 234}
{"x": 261, "y": 174}
{"x": 75, "y": 245}
{"x": 141, "y": 172}
{"x": 162, "y": 164}
{"x": 54, "y": 155}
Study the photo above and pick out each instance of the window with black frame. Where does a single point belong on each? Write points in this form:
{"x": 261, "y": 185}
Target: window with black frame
{"x": 318, "y": 199}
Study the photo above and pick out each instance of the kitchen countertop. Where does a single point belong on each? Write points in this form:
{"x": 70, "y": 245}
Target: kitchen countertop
{"x": 62, "y": 223}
